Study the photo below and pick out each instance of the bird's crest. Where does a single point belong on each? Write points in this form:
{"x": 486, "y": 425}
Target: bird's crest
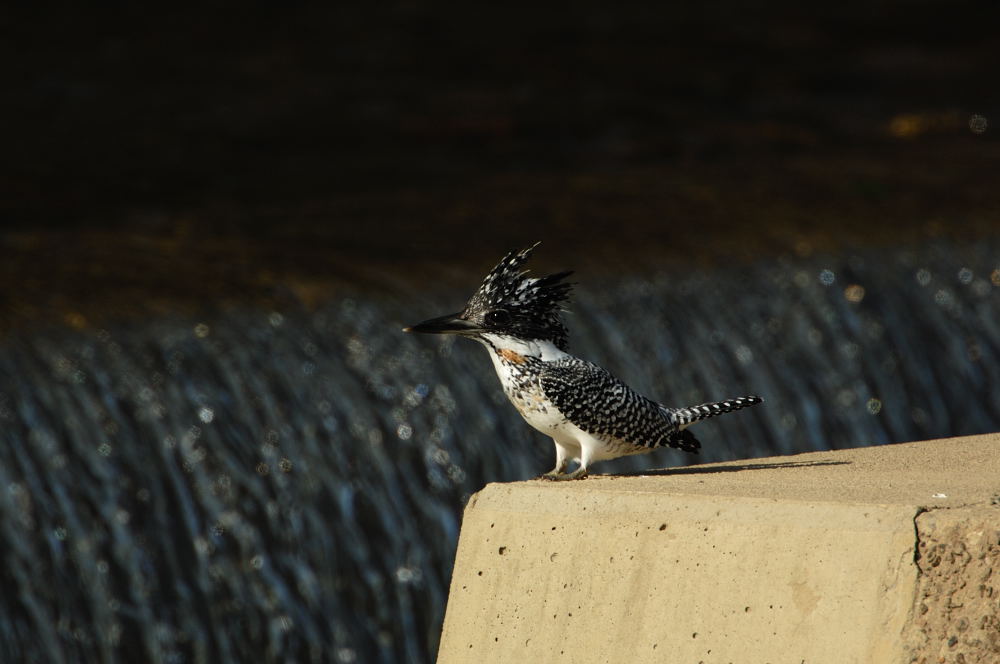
{"x": 512, "y": 303}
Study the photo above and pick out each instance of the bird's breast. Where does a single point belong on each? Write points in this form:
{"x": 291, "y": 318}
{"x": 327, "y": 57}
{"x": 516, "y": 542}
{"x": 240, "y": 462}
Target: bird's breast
{"x": 537, "y": 410}
{"x": 519, "y": 375}
{"x": 528, "y": 398}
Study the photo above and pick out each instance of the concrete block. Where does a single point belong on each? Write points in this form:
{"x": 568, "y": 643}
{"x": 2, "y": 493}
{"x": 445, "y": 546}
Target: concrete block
{"x": 813, "y": 558}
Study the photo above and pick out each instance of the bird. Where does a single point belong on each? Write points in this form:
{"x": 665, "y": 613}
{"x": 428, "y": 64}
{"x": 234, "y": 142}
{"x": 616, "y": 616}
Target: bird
{"x": 590, "y": 414}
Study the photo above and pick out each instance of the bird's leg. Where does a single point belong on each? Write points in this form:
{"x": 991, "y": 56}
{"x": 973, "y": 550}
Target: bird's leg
{"x": 577, "y": 474}
{"x": 559, "y": 472}
{"x": 586, "y": 456}
{"x": 562, "y": 460}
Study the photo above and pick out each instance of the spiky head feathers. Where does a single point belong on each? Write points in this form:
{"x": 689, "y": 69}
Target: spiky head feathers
{"x": 511, "y": 303}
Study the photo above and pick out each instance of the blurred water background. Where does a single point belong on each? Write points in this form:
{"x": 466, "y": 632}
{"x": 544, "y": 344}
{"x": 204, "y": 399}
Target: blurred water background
{"x": 216, "y": 445}
{"x": 287, "y": 485}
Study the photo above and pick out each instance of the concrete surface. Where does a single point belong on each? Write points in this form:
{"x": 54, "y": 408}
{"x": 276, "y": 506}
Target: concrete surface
{"x": 879, "y": 554}
{"x": 957, "y": 612}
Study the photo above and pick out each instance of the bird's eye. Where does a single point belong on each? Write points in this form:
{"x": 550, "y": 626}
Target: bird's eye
{"x": 497, "y": 317}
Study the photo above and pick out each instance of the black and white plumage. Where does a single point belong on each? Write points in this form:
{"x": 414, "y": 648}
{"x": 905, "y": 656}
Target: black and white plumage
{"x": 590, "y": 414}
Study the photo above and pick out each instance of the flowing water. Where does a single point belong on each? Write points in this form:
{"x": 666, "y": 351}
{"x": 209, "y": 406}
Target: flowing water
{"x": 288, "y": 485}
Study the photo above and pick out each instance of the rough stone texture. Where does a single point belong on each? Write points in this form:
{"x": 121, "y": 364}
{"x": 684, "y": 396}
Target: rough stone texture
{"x": 957, "y": 618}
{"x": 808, "y": 558}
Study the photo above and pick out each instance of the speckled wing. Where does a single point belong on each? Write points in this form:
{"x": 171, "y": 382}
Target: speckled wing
{"x": 600, "y": 404}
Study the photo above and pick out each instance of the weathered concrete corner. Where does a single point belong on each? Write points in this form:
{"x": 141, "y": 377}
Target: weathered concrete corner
{"x": 810, "y": 558}
{"x": 957, "y": 612}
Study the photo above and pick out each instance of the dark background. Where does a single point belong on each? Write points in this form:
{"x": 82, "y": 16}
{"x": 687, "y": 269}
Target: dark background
{"x": 156, "y": 157}
{"x": 215, "y": 443}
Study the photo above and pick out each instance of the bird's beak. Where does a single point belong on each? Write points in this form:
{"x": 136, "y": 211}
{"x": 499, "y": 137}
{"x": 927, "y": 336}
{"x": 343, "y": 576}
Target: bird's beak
{"x": 450, "y": 324}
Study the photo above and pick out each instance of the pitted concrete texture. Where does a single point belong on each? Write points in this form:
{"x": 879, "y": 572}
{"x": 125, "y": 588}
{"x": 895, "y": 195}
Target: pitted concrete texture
{"x": 812, "y": 558}
{"x": 957, "y": 617}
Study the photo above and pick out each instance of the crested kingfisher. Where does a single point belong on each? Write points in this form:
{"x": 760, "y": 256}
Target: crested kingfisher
{"x": 589, "y": 414}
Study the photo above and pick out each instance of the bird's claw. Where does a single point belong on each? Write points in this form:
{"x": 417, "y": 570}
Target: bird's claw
{"x": 553, "y": 476}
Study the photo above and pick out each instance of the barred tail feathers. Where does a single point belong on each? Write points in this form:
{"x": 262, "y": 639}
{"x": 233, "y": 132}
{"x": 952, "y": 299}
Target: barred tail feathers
{"x": 688, "y": 416}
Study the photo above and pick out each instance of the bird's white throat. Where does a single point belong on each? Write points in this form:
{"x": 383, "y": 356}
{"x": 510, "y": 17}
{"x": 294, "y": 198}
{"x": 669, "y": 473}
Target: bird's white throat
{"x": 546, "y": 351}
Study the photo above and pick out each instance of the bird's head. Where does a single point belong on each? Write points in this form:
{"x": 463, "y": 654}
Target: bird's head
{"x": 511, "y": 304}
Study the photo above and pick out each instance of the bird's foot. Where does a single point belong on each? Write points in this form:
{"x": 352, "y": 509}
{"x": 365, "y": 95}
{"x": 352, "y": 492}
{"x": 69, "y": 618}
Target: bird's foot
{"x": 556, "y": 476}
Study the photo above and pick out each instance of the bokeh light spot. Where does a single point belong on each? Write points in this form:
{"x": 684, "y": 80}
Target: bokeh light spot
{"x": 854, "y": 293}
{"x": 75, "y": 320}
{"x": 744, "y": 355}
{"x": 944, "y": 298}
{"x": 978, "y": 124}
